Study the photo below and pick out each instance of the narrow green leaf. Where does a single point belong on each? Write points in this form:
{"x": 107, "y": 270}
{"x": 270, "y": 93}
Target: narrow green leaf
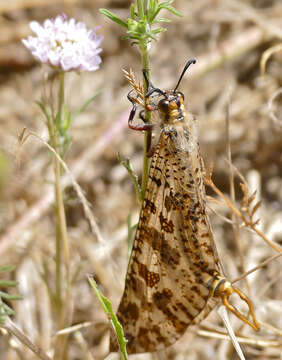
{"x": 126, "y": 163}
{"x": 132, "y": 11}
{"x": 44, "y": 110}
{"x": 97, "y": 293}
{"x": 140, "y": 9}
{"x": 108, "y": 310}
{"x": 8, "y": 310}
{"x": 171, "y": 9}
{"x": 113, "y": 17}
{"x": 8, "y": 283}
{"x": 162, "y": 20}
{"x": 5, "y": 311}
{"x": 57, "y": 120}
{"x": 129, "y": 37}
{"x": 4, "y": 295}
{"x": 83, "y": 107}
{"x": 158, "y": 30}
{"x": 5, "y": 268}
{"x": 152, "y": 11}
{"x": 154, "y": 5}
{"x": 166, "y": 3}
{"x": 169, "y": 2}
{"x": 15, "y": 297}
{"x": 66, "y": 118}
{"x": 157, "y": 8}
{"x": 151, "y": 35}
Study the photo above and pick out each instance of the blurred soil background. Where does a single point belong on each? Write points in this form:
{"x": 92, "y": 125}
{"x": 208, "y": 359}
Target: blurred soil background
{"x": 228, "y": 39}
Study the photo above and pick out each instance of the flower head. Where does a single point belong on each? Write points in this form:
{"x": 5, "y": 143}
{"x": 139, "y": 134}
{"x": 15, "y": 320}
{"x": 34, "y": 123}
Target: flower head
{"x": 65, "y": 44}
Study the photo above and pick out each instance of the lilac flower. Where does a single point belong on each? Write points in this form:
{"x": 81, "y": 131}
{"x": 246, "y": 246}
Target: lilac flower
{"x": 65, "y": 44}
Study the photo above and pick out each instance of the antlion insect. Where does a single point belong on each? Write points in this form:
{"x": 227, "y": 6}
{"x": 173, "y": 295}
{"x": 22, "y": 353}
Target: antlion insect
{"x": 174, "y": 276}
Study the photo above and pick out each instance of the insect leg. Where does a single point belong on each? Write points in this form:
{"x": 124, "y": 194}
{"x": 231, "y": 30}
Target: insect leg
{"x": 150, "y": 87}
{"x": 223, "y": 289}
{"x": 140, "y": 127}
{"x": 150, "y": 149}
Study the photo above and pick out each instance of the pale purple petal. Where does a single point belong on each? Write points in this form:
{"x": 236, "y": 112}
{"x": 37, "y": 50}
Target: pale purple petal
{"x": 63, "y": 43}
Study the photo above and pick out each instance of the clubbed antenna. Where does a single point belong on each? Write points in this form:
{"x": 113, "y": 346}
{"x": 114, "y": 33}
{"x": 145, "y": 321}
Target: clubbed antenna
{"x": 189, "y": 62}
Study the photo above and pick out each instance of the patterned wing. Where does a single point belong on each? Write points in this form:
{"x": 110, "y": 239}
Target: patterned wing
{"x": 173, "y": 259}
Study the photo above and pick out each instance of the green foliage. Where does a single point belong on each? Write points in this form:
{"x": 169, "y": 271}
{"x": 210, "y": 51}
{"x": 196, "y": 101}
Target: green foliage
{"x": 63, "y": 121}
{"x": 84, "y": 105}
{"x": 5, "y": 310}
{"x": 140, "y": 24}
{"x": 126, "y": 163}
{"x": 108, "y": 310}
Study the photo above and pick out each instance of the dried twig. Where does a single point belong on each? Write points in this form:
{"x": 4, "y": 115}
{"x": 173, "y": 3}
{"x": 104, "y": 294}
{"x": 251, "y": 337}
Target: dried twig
{"x": 235, "y": 223}
{"x": 248, "y": 222}
{"x": 260, "y": 266}
{"x": 11, "y": 327}
{"x": 242, "y": 340}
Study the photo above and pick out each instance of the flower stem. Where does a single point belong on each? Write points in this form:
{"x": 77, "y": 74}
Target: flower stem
{"x": 146, "y": 161}
{"x": 61, "y": 99}
{"x": 61, "y": 226}
{"x": 59, "y": 192}
{"x": 62, "y": 246}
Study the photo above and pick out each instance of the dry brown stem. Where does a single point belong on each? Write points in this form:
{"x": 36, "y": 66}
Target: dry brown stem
{"x": 247, "y": 221}
{"x": 11, "y": 327}
{"x": 260, "y": 266}
{"x": 242, "y": 340}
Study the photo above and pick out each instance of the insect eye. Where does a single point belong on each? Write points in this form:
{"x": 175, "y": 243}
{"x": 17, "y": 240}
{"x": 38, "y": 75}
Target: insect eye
{"x": 163, "y": 105}
{"x": 180, "y": 95}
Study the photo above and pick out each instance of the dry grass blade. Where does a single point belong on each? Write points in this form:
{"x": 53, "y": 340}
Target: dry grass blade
{"x": 224, "y": 316}
{"x": 81, "y": 196}
{"x": 243, "y": 340}
{"x": 260, "y": 266}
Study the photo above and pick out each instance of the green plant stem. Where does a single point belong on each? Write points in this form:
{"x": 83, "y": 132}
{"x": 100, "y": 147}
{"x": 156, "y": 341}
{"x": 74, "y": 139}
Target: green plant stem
{"x": 146, "y": 160}
{"x": 61, "y": 235}
{"x": 62, "y": 302}
{"x": 61, "y": 227}
{"x": 61, "y": 99}
{"x": 59, "y": 191}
